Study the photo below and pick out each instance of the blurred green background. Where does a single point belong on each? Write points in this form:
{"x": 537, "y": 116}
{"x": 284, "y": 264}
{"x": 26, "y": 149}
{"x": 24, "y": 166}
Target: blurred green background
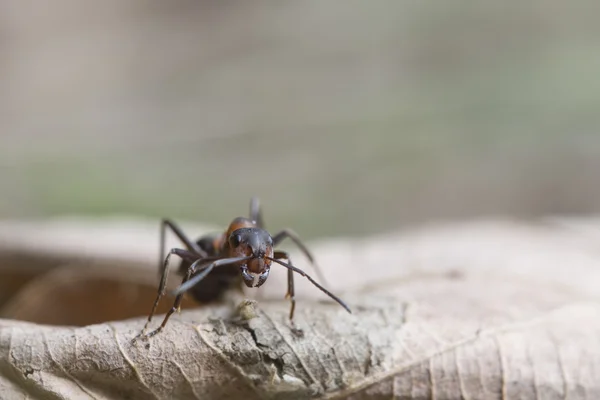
{"x": 344, "y": 117}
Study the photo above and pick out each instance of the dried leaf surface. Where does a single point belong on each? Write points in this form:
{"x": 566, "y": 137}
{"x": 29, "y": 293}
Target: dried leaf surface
{"x": 483, "y": 311}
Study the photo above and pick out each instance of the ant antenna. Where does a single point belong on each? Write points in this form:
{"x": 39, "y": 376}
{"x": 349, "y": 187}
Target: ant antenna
{"x": 304, "y": 274}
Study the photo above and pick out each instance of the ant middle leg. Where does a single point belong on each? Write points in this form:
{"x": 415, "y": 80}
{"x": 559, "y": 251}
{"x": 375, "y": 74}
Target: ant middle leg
{"x": 189, "y": 244}
{"x": 293, "y": 236}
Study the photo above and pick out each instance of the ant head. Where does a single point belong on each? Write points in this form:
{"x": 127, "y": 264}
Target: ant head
{"x": 251, "y": 242}
{"x": 256, "y": 243}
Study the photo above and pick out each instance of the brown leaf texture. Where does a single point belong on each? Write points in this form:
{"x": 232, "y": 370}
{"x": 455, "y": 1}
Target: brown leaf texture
{"x": 485, "y": 310}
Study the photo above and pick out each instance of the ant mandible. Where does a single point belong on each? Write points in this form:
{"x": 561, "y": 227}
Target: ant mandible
{"x": 212, "y": 264}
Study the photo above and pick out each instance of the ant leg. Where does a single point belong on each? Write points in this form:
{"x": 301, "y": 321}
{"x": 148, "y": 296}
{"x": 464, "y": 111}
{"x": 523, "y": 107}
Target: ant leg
{"x": 192, "y": 254}
{"x": 290, "y": 281}
{"x": 288, "y": 233}
{"x": 289, "y": 266}
{"x": 255, "y": 212}
{"x": 184, "y": 254}
{"x": 189, "y": 244}
{"x": 187, "y": 280}
{"x": 175, "y": 307}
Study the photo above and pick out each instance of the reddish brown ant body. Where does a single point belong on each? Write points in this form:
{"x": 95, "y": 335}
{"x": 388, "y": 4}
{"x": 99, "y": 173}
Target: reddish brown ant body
{"x": 213, "y": 264}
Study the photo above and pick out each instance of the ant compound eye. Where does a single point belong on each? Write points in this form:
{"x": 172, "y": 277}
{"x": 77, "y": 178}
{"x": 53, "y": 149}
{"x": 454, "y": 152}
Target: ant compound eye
{"x": 235, "y": 240}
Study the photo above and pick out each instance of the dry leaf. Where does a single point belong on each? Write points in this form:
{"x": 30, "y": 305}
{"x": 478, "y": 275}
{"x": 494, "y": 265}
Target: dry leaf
{"x": 483, "y": 311}
{"x": 84, "y": 294}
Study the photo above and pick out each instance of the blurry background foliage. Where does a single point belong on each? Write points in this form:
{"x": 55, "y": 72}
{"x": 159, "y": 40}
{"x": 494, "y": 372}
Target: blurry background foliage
{"x": 344, "y": 117}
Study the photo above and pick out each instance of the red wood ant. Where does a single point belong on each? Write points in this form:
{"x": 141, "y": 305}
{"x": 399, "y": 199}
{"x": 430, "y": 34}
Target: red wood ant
{"x": 215, "y": 263}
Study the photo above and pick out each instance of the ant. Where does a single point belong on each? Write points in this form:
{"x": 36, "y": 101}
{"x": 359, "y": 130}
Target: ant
{"x": 215, "y": 263}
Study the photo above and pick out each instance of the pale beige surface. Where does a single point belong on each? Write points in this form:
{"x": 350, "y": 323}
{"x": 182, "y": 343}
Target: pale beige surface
{"x": 481, "y": 310}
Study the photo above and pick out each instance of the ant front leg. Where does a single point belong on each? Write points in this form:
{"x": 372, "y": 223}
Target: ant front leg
{"x": 175, "y": 307}
{"x": 290, "y": 289}
{"x": 184, "y": 254}
{"x": 288, "y": 233}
